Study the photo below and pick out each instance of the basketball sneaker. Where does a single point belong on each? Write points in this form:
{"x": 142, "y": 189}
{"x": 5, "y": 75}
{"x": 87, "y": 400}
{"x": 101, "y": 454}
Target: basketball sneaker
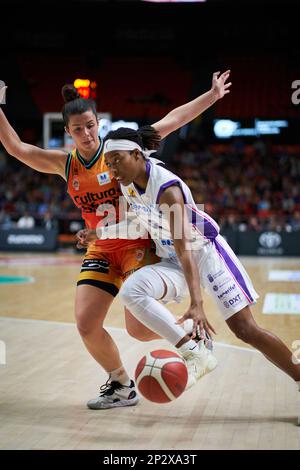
{"x": 113, "y": 395}
{"x": 199, "y": 361}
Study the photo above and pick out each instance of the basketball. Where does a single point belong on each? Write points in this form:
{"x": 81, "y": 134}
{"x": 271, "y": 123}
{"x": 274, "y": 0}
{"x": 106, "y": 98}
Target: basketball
{"x": 161, "y": 376}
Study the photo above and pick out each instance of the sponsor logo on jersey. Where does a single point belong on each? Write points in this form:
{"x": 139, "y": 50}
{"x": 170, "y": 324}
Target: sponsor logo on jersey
{"x": 140, "y": 208}
{"x": 131, "y": 192}
{"x": 89, "y": 202}
{"x": 213, "y": 277}
{"x": 232, "y": 301}
{"x": 103, "y": 178}
{"x": 97, "y": 265}
{"x": 230, "y": 288}
{"x": 167, "y": 242}
{"x": 225, "y": 281}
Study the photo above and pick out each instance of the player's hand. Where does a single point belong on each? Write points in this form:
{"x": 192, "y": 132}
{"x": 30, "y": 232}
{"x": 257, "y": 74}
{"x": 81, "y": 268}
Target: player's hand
{"x": 196, "y": 313}
{"x": 84, "y": 237}
{"x": 219, "y": 85}
{"x": 80, "y": 238}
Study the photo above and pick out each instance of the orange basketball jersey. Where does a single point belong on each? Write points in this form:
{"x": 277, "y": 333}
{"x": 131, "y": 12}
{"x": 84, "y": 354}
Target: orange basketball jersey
{"x": 91, "y": 185}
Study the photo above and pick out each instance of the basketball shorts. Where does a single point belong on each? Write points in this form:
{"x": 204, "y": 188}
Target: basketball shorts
{"x": 109, "y": 270}
{"x": 222, "y": 276}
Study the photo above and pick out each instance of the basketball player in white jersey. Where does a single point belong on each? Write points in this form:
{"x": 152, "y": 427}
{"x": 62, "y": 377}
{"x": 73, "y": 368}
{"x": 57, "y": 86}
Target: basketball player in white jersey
{"x": 193, "y": 253}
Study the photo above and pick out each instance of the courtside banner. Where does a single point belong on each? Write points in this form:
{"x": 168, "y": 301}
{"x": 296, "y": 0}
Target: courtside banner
{"x": 38, "y": 239}
{"x": 268, "y": 243}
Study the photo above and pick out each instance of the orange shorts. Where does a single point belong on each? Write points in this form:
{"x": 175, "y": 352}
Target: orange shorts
{"x": 108, "y": 270}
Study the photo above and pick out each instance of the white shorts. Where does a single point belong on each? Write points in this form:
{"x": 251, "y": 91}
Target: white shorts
{"x": 221, "y": 275}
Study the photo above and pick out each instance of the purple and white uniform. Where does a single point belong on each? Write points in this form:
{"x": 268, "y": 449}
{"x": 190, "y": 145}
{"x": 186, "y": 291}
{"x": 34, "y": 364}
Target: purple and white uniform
{"x": 221, "y": 273}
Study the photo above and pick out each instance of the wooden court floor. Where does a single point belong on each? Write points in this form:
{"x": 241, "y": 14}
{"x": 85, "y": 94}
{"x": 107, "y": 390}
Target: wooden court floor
{"x": 246, "y": 403}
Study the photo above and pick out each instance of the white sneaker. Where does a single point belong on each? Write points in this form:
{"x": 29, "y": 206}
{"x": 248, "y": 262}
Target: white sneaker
{"x": 199, "y": 361}
{"x": 113, "y": 394}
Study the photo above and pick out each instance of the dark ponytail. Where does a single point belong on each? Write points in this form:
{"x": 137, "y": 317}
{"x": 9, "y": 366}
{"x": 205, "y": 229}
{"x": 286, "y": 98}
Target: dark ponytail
{"x": 146, "y": 136}
{"x": 150, "y": 137}
{"x": 75, "y": 104}
{"x": 69, "y": 93}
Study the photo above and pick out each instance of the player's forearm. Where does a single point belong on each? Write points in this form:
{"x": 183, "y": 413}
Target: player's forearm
{"x": 8, "y": 136}
{"x": 189, "y": 111}
{"x": 191, "y": 272}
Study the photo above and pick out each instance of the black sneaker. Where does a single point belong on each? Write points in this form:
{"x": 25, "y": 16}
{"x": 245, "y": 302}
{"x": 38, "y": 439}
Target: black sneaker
{"x": 113, "y": 395}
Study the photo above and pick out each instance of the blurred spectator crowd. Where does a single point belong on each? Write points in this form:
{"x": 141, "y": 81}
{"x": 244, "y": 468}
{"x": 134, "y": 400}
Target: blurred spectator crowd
{"x": 31, "y": 199}
{"x": 243, "y": 186}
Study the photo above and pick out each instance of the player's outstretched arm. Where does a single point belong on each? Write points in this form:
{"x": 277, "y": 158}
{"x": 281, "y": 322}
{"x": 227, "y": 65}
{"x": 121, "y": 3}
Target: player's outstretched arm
{"x": 180, "y": 116}
{"x": 46, "y": 161}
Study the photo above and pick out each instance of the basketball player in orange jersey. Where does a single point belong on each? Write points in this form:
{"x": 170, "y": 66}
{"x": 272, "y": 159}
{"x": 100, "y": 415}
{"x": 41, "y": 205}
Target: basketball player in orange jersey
{"x": 107, "y": 262}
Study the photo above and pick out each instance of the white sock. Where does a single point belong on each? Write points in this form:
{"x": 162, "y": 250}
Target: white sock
{"x": 119, "y": 375}
{"x": 298, "y": 385}
{"x": 188, "y": 346}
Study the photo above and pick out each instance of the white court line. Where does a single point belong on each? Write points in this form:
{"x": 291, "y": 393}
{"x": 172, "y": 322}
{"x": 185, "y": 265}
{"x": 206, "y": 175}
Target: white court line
{"x": 113, "y": 328}
{"x": 284, "y": 275}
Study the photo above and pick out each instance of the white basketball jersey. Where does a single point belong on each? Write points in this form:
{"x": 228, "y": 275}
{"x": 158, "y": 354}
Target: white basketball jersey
{"x": 145, "y": 206}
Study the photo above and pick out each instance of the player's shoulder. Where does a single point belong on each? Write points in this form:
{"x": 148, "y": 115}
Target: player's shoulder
{"x": 161, "y": 172}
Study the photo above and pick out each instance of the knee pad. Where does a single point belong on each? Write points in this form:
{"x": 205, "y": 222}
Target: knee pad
{"x": 144, "y": 282}
{"x": 148, "y": 282}
{"x": 141, "y": 293}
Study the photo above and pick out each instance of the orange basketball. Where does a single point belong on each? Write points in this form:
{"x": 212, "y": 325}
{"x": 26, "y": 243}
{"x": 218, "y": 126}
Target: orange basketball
{"x": 161, "y": 376}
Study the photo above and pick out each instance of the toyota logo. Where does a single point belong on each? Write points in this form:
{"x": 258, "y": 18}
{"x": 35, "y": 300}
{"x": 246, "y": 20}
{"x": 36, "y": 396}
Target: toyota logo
{"x": 270, "y": 239}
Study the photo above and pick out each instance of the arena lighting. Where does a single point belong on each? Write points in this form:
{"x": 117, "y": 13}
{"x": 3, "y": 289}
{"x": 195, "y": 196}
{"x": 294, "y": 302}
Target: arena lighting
{"x": 225, "y": 128}
{"x": 80, "y": 83}
{"x": 85, "y": 87}
{"x": 106, "y": 125}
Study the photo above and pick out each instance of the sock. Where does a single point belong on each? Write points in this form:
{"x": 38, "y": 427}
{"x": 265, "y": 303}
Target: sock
{"x": 298, "y": 385}
{"x": 188, "y": 346}
{"x": 119, "y": 375}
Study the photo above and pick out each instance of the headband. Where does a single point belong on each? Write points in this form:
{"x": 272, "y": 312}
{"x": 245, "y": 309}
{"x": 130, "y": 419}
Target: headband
{"x": 112, "y": 145}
